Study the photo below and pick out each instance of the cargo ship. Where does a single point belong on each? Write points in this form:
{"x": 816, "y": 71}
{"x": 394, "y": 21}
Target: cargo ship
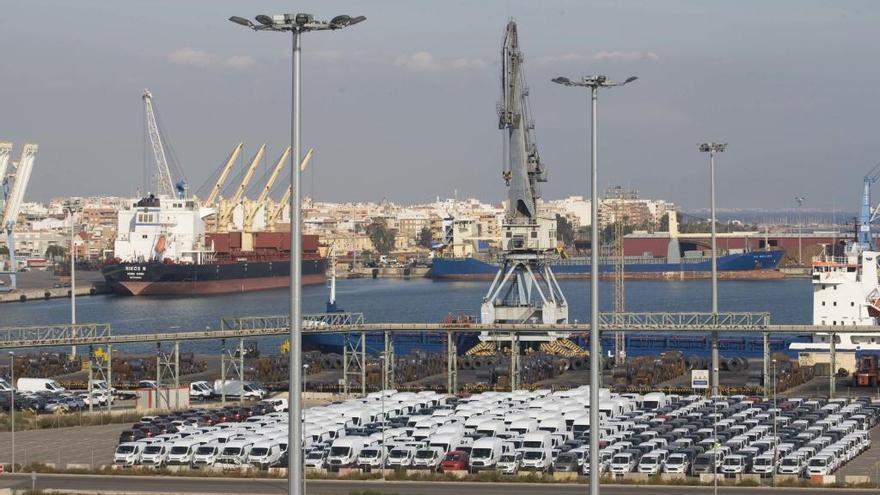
{"x": 162, "y": 249}
{"x": 747, "y": 263}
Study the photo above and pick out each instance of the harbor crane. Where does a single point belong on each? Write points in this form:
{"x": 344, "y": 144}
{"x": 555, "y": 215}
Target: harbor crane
{"x": 525, "y": 289}
{"x": 13, "y": 182}
{"x": 275, "y": 215}
{"x": 230, "y": 162}
{"x": 164, "y": 182}
{"x": 227, "y": 208}
{"x": 866, "y": 214}
{"x": 252, "y": 208}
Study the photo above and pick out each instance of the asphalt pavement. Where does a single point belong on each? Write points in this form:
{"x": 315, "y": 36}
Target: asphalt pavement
{"x": 181, "y": 485}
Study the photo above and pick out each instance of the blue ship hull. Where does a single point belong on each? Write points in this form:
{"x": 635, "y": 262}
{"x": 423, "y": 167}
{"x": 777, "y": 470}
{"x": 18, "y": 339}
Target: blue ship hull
{"x": 474, "y": 269}
{"x": 732, "y": 345}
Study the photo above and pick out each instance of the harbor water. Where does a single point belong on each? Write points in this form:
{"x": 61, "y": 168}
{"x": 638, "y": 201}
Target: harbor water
{"x": 394, "y": 300}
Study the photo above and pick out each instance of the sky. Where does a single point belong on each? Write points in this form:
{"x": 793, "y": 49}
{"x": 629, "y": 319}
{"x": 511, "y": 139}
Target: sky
{"x": 403, "y": 105}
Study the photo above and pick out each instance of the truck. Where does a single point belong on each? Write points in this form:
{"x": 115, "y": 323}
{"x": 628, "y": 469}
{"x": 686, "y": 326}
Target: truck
{"x": 38, "y": 385}
{"x": 238, "y": 389}
{"x": 345, "y": 451}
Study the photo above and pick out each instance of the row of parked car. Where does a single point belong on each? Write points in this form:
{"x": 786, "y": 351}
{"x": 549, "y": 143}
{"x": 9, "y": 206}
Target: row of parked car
{"x": 538, "y": 430}
{"x": 741, "y": 435}
{"x": 235, "y": 436}
{"x": 43, "y": 395}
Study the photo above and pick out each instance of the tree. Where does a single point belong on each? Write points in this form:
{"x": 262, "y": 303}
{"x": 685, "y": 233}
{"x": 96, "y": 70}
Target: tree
{"x": 55, "y": 251}
{"x": 381, "y": 236}
{"x": 425, "y": 238}
{"x": 564, "y": 230}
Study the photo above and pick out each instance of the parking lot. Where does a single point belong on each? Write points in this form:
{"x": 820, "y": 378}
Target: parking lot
{"x": 92, "y": 445}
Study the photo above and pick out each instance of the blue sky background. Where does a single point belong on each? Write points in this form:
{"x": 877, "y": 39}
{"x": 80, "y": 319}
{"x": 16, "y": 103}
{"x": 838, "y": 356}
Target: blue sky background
{"x": 403, "y": 106}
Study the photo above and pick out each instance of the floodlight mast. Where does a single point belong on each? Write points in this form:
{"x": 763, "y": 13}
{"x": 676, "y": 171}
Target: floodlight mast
{"x": 296, "y": 24}
{"x": 594, "y": 83}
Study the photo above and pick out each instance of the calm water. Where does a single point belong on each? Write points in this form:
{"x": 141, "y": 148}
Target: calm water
{"x": 421, "y": 300}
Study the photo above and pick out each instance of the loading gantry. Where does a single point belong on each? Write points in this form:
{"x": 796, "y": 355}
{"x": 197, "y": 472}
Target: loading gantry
{"x": 525, "y": 289}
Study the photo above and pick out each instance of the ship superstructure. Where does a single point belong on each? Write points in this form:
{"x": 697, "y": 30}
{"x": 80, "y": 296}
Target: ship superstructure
{"x": 524, "y": 289}
{"x": 846, "y": 290}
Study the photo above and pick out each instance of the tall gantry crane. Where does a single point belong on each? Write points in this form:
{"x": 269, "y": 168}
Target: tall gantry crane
{"x": 525, "y": 289}
{"x": 866, "y": 215}
{"x": 616, "y": 198}
{"x": 13, "y": 182}
{"x": 274, "y": 214}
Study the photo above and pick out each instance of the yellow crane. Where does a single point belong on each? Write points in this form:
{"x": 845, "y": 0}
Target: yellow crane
{"x": 251, "y": 208}
{"x": 275, "y": 215}
{"x": 230, "y": 162}
{"x": 224, "y": 216}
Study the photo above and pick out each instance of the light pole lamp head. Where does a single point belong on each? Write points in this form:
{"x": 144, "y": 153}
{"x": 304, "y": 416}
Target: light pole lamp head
{"x": 712, "y": 147}
{"x": 243, "y": 22}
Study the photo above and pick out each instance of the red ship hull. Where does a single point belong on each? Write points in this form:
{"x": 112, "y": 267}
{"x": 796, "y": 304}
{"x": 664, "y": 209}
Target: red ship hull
{"x": 208, "y": 287}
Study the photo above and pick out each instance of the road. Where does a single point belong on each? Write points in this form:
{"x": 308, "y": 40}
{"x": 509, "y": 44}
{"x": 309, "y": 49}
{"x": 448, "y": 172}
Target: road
{"x": 182, "y": 485}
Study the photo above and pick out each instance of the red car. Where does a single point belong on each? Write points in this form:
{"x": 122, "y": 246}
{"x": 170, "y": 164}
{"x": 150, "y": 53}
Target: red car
{"x": 456, "y": 460}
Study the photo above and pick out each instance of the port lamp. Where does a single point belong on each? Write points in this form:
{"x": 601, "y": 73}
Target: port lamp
{"x": 242, "y": 21}
{"x": 265, "y": 20}
{"x": 303, "y": 19}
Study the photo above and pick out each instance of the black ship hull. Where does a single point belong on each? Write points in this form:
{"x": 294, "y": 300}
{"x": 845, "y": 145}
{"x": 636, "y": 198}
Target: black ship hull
{"x": 155, "y": 278}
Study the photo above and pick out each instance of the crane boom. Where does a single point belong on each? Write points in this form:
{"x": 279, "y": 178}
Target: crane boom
{"x": 5, "y": 152}
{"x": 230, "y": 162}
{"x": 164, "y": 183}
{"x": 522, "y": 167}
{"x": 285, "y": 198}
{"x": 249, "y": 174}
{"x": 20, "y": 179}
{"x": 251, "y": 212}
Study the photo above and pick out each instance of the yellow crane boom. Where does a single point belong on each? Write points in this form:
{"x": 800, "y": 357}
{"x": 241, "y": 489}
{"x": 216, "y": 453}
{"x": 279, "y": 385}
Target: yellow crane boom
{"x": 230, "y": 162}
{"x": 276, "y": 213}
{"x": 226, "y": 208}
{"x": 254, "y": 207}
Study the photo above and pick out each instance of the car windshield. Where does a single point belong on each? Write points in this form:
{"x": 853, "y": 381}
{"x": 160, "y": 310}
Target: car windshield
{"x": 453, "y": 457}
{"x": 703, "y": 460}
{"x": 789, "y": 462}
{"x": 125, "y": 449}
{"x": 532, "y": 445}
{"x": 481, "y": 453}
{"x": 370, "y": 453}
{"x": 398, "y": 454}
{"x": 339, "y": 451}
{"x": 676, "y": 459}
{"x": 315, "y": 455}
{"x": 259, "y": 451}
{"x": 566, "y": 458}
{"x": 153, "y": 449}
{"x": 817, "y": 462}
{"x": 762, "y": 461}
{"x": 620, "y": 459}
{"x": 206, "y": 450}
{"x": 533, "y": 455}
{"x": 648, "y": 460}
{"x": 732, "y": 461}
{"x": 425, "y": 454}
{"x": 232, "y": 451}
{"x": 179, "y": 450}
{"x": 508, "y": 458}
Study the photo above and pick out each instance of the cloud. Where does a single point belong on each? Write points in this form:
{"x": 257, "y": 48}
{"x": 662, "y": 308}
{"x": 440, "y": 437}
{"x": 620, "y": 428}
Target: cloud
{"x": 190, "y": 57}
{"x": 196, "y": 58}
{"x": 426, "y": 62}
{"x": 606, "y": 56}
{"x": 563, "y": 57}
{"x": 239, "y": 62}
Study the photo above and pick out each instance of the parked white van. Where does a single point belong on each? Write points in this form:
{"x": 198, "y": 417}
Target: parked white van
{"x": 128, "y": 454}
{"x": 235, "y": 452}
{"x": 206, "y": 454}
{"x": 155, "y": 454}
{"x": 400, "y": 457}
{"x": 345, "y": 451}
{"x": 485, "y": 453}
{"x": 38, "y": 385}
{"x": 181, "y": 452}
{"x": 265, "y": 454}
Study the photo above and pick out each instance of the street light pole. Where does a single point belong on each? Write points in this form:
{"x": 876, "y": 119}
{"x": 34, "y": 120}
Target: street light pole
{"x": 774, "y": 422}
{"x": 382, "y": 453}
{"x": 12, "y": 404}
{"x": 296, "y": 24}
{"x": 713, "y": 148}
{"x": 71, "y": 209}
{"x": 594, "y": 83}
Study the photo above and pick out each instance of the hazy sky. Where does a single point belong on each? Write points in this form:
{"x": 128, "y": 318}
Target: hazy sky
{"x": 403, "y": 105}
